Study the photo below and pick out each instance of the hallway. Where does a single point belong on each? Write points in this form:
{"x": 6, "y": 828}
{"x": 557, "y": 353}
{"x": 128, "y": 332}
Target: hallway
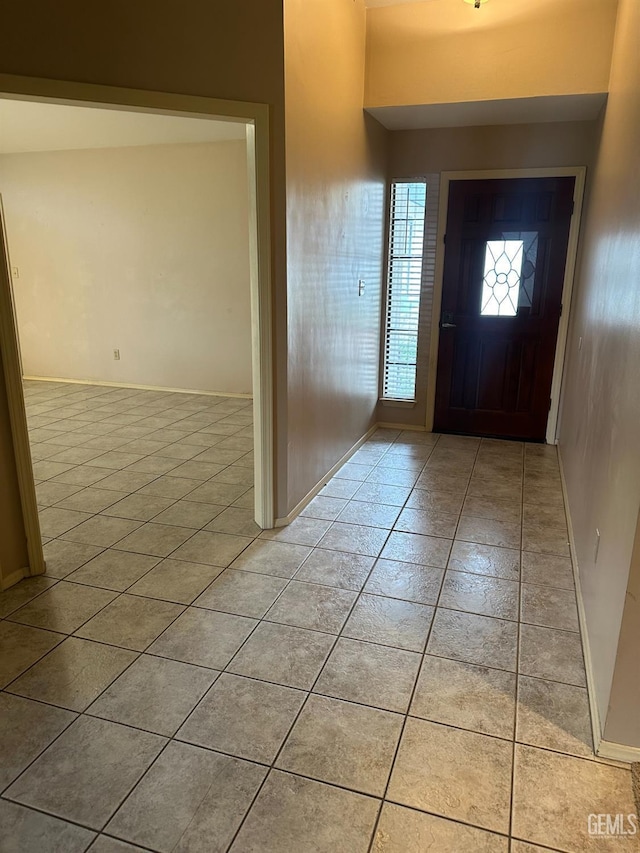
{"x": 399, "y": 670}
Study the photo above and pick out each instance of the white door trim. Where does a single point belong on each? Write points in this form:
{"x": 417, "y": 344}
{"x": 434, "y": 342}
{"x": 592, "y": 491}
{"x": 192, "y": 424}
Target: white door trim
{"x": 256, "y": 118}
{"x": 577, "y": 172}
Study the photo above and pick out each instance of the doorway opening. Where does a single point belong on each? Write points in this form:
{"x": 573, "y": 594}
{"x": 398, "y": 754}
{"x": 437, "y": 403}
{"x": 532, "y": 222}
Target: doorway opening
{"x": 196, "y": 358}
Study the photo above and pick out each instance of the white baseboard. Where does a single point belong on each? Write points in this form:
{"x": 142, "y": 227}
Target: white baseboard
{"x": 138, "y": 387}
{"x": 295, "y": 512}
{"x": 596, "y": 725}
{"x": 618, "y": 752}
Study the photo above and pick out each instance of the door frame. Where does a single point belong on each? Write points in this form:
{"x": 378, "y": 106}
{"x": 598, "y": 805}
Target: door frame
{"x": 577, "y": 172}
{"x": 256, "y": 118}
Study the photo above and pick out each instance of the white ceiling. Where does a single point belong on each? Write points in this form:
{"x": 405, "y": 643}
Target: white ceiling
{"x": 549, "y": 108}
{"x": 32, "y": 126}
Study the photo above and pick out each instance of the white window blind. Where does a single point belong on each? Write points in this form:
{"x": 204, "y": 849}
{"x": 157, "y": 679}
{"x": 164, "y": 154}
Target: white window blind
{"x": 404, "y": 284}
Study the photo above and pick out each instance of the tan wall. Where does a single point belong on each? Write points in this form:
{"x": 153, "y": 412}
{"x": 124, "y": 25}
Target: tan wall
{"x": 217, "y": 49}
{"x": 335, "y": 188}
{"x": 437, "y": 53}
{"x": 144, "y": 249}
{"x": 420, "y": 152}
{"x": 601, "y": 407}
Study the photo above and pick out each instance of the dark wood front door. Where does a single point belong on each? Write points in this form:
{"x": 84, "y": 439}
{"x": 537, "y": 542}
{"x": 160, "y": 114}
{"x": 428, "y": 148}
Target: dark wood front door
{"x": 505, "y": 254}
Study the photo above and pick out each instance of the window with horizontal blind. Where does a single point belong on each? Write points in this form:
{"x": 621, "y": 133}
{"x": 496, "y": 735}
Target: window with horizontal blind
{"x": 404, "y": 285}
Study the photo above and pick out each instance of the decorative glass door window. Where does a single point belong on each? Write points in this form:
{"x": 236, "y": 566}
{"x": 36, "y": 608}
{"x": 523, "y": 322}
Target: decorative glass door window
{"x": 502, "y": 278}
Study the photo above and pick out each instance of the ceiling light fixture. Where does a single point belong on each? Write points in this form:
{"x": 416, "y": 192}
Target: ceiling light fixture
{"x": 475, "y": 3}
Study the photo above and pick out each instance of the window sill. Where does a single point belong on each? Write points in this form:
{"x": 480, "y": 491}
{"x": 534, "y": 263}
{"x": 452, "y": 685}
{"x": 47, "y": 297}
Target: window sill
{"x": 397, "y": 404}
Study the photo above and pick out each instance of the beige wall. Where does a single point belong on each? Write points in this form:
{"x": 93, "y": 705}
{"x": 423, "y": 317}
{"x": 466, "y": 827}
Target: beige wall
{"x": 419, "y": 152}
{"x": 335, "y": 202}
{"x": 601, "y": 406}
{"x": 437, "y": 53}
{"x": 144, "y": 249}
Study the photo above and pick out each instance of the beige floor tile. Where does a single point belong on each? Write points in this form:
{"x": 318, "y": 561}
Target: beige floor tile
{"x": 402, "y": 830}
{"x": 306, "y": 605}
{"x": 554, "y": 716}
{"x": 157, "y": 540}
{"x": 22, "y": 830}
{"x": 296, "y": 815}
{"x": 191, "y": 801}
{"x": 46, "y": 470}
{"x": 114, "y": 570}
{"x": 243, "y": 717}
{"x": 548, "y": 606}
{"x": 138, "y": 507}
{"x": 466, "y": 696}
{"x": 505, "y": 491}
{"x": 91, "y": 499}
{"x": 247, "y": 500}
{"x": 324, "y": 507}
{"x": 26, "y": 729}
{"x": 369, "y": 514}
{"x": 338, "y": 742}
{"x": 186, "y": 513}
{"x": 63, "y": 607}
{"x": 154, "y": 694}
{"x": 26, "y": 590}
{"x": 390, "y": 621}
{"x": 214, "y": 549}
{"x": 50, "y": 493}
{"x": 355, "y": 471}
{"x": 106, "y": 844}
{"x": 339, "y": 488}
{"x": 370, "y": 675}
{"x": 272, "y": 558}
{"x": 235, "y": 520}
{"x": 486, "y": 531}
{"x": 494, "y": 508}
{"x": 243, "y": 593}
{"x": 20, "y": 647}
{"x": 116, "y": 459}
{"x": 217, "y": 493}
{"x": 457, "y": 774}
{"x": 413, "y": 548}
{"x": 283, "y": 654}
{"x": 55, "y": 521}
{"x": 101, "y": 531}
{"x": 543, "y": 493}
{"x": 73, "y": 674}
{"x": 335, "y": 568}
{"x": 380, "y": 493}
{"x": 483, "y": 594}
{"x": 435, "y": 501}
{"x": 545, "y": 516}
{"x": 171, "y": 487}
{"x": 441, "y": 481}
{"x": 62, "y": 558}
{"x": 545, "y": 540}
{"x": 197, "y": 470}
{"x": 84, "y": 775}
{"x": 525, "y": 847}
{"x": 175, "y": 580}
{"x": 482, "y": 640}
{"x": 552, "y": 654}
{"x": 427, "y": 522}
{"x": 241, "y": 473}
{"x": 130, "y": 622}
{"x": 301, "y": 531}
{"x": 547, "y": 570}
{"x": 485, "y": 560}
{"x": 354, "y": 539}
{"x": 203, "y": 637}
{"x": 405, "y": 580}
{"x": 556, "y": 813}
{"x": 125, "y": 481}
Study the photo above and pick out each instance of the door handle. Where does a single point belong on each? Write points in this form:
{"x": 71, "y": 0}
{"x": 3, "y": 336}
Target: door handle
{"x": 448, "y": 325}
{"x": 447, "y": 320}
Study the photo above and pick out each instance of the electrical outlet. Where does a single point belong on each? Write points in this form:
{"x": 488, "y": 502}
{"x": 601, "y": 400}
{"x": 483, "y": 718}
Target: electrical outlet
{"x": 361, "y": 287}
{"x": 116, "y": 355}
{"x": 597, "y": 548}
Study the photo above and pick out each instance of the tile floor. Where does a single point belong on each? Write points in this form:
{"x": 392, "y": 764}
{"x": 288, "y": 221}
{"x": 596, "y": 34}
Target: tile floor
{"x": 399, "y": 670}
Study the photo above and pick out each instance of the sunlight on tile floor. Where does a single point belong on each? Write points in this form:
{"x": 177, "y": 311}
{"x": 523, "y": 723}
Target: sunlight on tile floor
{"x": 399, "y": 670}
